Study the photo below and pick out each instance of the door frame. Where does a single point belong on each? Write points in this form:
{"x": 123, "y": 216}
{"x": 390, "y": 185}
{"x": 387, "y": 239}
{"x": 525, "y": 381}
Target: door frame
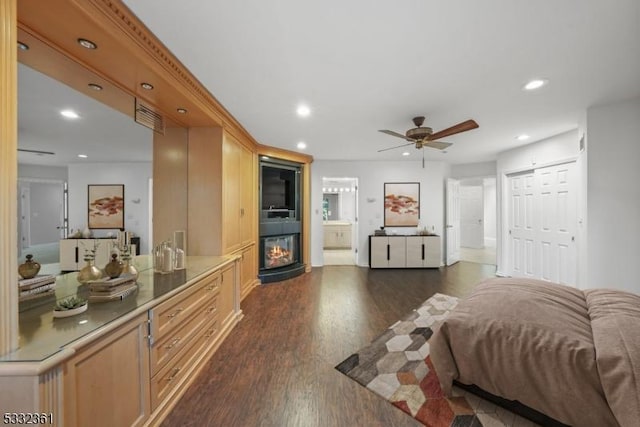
{"x": 65, "y": 204}
{"x": 502, "y": 249}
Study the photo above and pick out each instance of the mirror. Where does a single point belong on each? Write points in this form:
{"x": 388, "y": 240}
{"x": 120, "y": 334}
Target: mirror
{"x": 66, "y": 155}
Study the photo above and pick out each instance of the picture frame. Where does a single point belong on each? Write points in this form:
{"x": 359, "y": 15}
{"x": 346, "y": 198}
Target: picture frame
{"x": 401, "y": 204}
{"x": 105, "y": 206}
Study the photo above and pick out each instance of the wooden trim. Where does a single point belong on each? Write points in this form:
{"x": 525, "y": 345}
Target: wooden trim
{"x": 8, "y": 177}
{"x": 279, "y": 153}
{"x": 306, "y": 216}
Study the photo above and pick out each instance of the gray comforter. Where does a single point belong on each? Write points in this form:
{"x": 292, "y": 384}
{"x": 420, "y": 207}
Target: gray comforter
{"x": 573, "y": 355}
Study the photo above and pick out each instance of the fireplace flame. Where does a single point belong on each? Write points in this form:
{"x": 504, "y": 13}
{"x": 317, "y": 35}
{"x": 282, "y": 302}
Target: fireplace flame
{"x": 277, "y": 256}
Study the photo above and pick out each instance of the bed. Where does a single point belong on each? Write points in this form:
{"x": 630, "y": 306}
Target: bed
{"x": 572, "y": 355}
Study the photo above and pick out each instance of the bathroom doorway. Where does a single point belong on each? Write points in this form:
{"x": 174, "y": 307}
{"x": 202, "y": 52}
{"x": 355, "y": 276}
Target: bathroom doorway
{"x": 340, "y": 221}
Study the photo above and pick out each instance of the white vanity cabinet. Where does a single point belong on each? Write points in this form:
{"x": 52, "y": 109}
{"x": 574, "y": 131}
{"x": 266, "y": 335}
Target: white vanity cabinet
{"x": 404, "y": 251}
{"x": 337, "y": 235}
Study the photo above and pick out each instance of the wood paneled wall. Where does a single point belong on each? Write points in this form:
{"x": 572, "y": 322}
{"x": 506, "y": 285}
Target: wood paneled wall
{"x": 170, "y": 181}
{"x": 205, "y": 191}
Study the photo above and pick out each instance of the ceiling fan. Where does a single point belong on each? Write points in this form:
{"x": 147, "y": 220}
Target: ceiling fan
{"x": 424, "y": 136}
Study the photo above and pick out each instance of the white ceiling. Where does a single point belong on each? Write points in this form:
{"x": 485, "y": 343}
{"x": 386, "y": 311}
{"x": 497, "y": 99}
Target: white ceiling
{"x": 365, "y": 65}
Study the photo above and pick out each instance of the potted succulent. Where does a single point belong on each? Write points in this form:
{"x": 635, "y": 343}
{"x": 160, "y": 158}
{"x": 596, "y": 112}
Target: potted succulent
{"x": 70, "y": 306}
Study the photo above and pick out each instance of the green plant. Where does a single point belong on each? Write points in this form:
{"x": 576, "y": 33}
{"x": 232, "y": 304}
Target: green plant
{"x": 69, "y": 303}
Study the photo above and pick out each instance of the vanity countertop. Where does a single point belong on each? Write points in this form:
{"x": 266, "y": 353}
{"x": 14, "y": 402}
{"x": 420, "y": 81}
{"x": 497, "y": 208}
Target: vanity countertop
{"x": 42, "y": 336}
{"x": 336, "y": 222}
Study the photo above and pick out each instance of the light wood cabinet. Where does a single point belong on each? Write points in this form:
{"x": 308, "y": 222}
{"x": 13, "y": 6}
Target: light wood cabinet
{"x": 404, "y": 251}
{"x": 175, "y": 322}
{"x": 239, "y": 209}
{"x": 107, "y": 383}
{"x": 248, "y": 276}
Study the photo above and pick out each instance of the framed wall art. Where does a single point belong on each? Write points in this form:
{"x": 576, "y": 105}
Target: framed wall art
{"x": 401, "y": 204}
{"x": 106, "y": 206}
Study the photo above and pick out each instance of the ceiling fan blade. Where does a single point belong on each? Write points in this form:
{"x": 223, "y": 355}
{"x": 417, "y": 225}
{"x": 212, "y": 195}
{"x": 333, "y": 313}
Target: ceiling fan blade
{"x": 396, "y": 134}
{"x": 35, "y": 151}
{"x": 437, "y": 144}
{"x": 460, "y": 127}
{"x": 393, "y": 148}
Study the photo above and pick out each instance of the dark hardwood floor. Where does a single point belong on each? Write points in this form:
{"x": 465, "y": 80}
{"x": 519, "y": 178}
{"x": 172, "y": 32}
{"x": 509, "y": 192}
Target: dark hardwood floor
{"x": 276, "y": 368}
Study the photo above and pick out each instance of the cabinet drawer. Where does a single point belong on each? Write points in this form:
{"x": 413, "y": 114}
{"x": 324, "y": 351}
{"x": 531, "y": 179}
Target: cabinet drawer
{"x": 172, "y": 375}
{"x": 171, "y": 343}
{"x": 171, "y": 313}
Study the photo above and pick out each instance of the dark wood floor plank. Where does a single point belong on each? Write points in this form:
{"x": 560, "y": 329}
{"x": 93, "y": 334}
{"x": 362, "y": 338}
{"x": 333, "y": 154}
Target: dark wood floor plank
{"x": 276, "y": 368}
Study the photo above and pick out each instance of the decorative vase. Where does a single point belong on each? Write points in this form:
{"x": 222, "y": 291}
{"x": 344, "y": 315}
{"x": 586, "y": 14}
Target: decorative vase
{"x": 89, "y": 272}
{"x": 129, "y": 268}
{"x": 29, "y": 269}
{"x": 114, "y": 268}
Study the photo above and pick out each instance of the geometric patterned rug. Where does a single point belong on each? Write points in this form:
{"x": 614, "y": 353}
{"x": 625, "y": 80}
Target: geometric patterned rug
{"x": 397, "y": 367}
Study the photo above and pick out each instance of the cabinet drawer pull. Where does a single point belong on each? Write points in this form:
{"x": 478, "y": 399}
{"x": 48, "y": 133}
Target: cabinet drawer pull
{"x": 173, "y": 343}
{"x": 175, "y": 313}
{"x": 212, "y": 309}
{"x": 212, "y": 287}
{"x": 173, "y": 374}
{"x": 211, "y": 332}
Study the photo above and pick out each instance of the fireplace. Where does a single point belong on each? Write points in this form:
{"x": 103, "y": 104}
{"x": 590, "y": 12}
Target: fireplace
{"x": 279, "y": 251}
{"x": 280, "y": 225}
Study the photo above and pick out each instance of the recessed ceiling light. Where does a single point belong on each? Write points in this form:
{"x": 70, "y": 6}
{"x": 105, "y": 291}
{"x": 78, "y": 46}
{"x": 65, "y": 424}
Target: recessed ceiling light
{"x": 87, "y": 44}
{"x": 82, "y": 156}
{"x": 265, "y": 157}
{"x": 23, "y": 46}
{"x": 406, "y": 153}
{"x": 146, "y": 86}
{"x": 522, "y": 137}
{"x": 303, "y": 111}
{"x": 182, "y": 110}
{"x": 95, "y": 86}
{"x": 69, "y": 114}
{"x": 535, "y": 84}
{"x": 302, "y": 145}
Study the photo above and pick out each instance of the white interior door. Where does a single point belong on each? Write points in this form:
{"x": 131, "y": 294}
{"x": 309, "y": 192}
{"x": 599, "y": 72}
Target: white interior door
{"x": 471, "y": 216}
{"x": 542, "y": 224}
{"x": 557, "y": 227}
{"x": 521, "y": 227}
{"x": 453, "y": 221}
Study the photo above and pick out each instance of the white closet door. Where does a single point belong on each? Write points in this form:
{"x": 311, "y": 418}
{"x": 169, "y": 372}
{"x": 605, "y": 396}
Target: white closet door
{"x": 542, "y": 224}
{"x": 521, "y": 225}
{"x": 557, "y": 226}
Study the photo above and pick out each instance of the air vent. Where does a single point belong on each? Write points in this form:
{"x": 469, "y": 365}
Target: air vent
{"x": 146, "y": 116}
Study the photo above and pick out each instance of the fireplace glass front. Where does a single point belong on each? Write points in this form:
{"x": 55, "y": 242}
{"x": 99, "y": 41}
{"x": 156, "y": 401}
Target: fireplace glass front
{"x": 279, "y": 251}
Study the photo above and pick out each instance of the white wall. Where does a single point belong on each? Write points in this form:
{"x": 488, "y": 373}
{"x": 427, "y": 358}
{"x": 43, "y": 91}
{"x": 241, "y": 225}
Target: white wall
{"x": 490, "y": 208}
{"x": 473, "y": 170}
{"x": 558, "y": 148}
{"x": 371, "y": 178}
{"x": 613, "y": 199}
{"x": 134, "y": 176}
{"x": 58, "y": 173}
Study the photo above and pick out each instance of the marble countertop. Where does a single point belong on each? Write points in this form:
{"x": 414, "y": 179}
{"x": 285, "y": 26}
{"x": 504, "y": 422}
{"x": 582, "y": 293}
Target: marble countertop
{"x": 42, "y": 336}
